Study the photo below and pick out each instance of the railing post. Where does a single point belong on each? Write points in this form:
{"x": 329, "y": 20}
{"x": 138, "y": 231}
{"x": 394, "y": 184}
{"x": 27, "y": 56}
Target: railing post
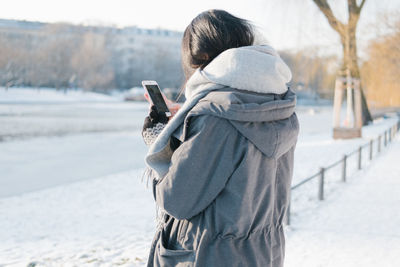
{"x": 390, "y": 135}
{"x": 344, "y": 166}
{"x": 379, "y": 143}
{"x": 321, "y": 184}
{"x": 370, "y": 148}
{"x": 385, "y": 138}
{"x": 359, "y": 157}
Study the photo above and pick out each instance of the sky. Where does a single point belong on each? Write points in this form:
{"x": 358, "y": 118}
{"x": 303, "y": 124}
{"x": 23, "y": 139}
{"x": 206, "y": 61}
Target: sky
{"x": 286, "y": 24}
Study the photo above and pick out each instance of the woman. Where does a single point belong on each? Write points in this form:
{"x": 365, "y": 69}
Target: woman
{"x": 222, "y": 166}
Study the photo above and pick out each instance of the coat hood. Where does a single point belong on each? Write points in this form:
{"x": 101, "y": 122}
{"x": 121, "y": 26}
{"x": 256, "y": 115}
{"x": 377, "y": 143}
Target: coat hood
{"x": 254, "y": 99}
{"x": 252, "y": 68}
{"x": 266, "y": 120}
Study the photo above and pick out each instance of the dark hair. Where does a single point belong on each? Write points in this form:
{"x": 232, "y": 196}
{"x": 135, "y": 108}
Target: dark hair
{"x": 209, "y": 34}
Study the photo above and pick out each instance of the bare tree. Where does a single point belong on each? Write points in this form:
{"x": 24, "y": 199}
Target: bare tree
{"x": 154, "y": 60}
{"x": 53, "y": 63}
{"x": 12, "y": 62}
{"x": 347, "y": 33}
{"x": 316, "y": 73}
{"x": 64, "y": 55}
{"x": 380, "y": 71}
{"x": 91, "y": 63}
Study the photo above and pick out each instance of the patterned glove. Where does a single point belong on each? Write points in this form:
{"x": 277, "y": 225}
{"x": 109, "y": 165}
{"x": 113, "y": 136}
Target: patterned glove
{"x": 153, "y": 125}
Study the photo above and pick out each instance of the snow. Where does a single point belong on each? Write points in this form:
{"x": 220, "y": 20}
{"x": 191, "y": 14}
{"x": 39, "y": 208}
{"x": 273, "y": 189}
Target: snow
{"x": 109, "y": 220}
{"x": 53, "y": 119}
{"x": 48, "y": 95}
{"x": 316, "y": 148}
{"x": 73, "y": 193}
{"x": 357, "y": 226}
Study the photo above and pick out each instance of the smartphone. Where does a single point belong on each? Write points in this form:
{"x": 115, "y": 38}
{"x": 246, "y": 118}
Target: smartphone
{"x": 156, "y": 97}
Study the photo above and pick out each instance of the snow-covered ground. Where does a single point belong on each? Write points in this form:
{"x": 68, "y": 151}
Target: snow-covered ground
{"x": 108, "y": 221}
{"x": 48, "y": 95}
{"x": 92, "y": 209}
{"x": 357, "y": 226}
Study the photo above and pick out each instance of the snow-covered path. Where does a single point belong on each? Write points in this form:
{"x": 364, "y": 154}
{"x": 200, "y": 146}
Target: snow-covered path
{"x": 107, "y": 221}
{"x": 357, "y": 226}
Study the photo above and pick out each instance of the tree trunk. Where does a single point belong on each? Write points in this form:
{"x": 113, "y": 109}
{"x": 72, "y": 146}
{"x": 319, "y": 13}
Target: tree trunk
{"x": 349, "y": 45}
{"x": 347, "y": 33}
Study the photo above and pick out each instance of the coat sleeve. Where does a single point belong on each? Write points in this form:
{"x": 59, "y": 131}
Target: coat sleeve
{"x": 200, "y": 167}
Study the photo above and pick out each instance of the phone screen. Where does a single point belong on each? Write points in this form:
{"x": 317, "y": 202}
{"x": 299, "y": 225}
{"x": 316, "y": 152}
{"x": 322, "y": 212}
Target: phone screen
{"x": 156, "y": 97}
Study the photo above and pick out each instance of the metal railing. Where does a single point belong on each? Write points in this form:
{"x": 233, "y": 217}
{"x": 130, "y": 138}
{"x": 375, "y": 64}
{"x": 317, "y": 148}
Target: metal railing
{"x": 321, "y": 175}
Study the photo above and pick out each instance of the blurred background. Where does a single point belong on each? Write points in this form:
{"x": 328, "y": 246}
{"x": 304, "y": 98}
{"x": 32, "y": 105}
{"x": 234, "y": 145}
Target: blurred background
{"x": 72, "y": 108}
{"x": 111, "y": 46}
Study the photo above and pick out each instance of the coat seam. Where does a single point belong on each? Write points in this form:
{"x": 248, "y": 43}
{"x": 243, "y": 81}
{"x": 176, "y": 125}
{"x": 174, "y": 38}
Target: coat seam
{"x": 251, "y": 234}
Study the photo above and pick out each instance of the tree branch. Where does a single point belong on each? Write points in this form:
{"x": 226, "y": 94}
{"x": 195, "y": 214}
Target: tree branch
{"x": 327, "y": 11}
{"x": 354, "y": 13}
{"x": 353, "y": 7}
{"x": 361, "y": 6}
{"x": 352, "y": 3}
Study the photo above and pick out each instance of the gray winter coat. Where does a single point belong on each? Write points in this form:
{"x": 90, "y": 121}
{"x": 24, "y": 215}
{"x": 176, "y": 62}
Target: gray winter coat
{"x": 227, "y": 187}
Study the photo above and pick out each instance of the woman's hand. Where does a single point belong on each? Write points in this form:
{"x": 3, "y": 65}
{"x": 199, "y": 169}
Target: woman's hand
{"x": 153, "y": 124}
{"x": 172, "y": 106}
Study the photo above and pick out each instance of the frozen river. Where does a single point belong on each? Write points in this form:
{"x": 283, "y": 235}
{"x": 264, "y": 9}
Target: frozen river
{"x": 44, "y": 145}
